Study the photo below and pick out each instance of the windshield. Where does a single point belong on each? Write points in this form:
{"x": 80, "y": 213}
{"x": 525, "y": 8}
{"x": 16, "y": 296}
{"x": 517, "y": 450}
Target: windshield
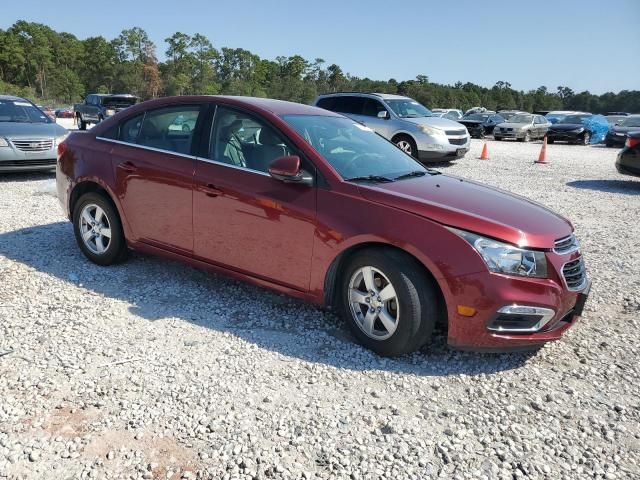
{"x": 408, "y": 108}
{"x": 507, "y": 115}
{"x": 477, "y": 116}
{"x": 521, "y": 119}
{"x": 575, "y": 118}
{"x": 21, "y": 111}
{"x": 629, "y": 122}
{"x": 353, "y": 149}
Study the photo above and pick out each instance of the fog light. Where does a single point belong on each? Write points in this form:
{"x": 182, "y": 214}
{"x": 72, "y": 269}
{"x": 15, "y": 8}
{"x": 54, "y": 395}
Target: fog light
{"x": 520, "y": 319}
{"x": 433, "y": 146}
{"x": 466, "y": 311}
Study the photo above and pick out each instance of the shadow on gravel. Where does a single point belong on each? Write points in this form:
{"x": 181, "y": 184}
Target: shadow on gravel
{"x": 627, "y": 187}
{"x": 159, "y": 289}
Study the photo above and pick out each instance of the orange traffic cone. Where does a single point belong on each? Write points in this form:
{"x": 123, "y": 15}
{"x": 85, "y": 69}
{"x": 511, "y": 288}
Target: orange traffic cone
{"x": 485, "y": 152}
{"x": 542, "y": 158}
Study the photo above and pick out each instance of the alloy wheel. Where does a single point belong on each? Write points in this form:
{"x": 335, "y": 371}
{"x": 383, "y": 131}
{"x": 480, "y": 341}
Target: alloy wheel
{"x": 373, "y": 303}
{"x": 95, "y": 229}
{"x": 405, "y": 146}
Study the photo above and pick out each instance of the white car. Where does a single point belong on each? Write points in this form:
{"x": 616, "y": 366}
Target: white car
{"x": 450, "y": 113}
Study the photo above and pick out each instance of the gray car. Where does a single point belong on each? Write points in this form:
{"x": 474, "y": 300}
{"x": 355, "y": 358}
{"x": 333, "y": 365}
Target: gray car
{"x": 405, "y": 122}
{"x": 28, "y": 138}
{"x": 522, "y": 127}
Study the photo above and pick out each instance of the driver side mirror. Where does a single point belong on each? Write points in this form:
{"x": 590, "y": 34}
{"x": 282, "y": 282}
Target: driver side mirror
{"x": 287, "y": 169}
{"x": 383, "y": 114}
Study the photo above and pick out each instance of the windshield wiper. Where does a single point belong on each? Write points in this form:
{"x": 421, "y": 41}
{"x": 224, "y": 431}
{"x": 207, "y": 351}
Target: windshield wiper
{"x": 370, "y": 178}
{"x": 417, "y": 173}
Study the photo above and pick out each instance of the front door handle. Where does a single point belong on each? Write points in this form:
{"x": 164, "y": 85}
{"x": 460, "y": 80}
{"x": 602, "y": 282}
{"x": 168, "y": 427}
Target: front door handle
{"x": 210, "y": 190}
{"x": 127, "y": 167}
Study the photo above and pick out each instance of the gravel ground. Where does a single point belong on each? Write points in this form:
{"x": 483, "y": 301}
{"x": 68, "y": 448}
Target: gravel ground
{"x": 152, "y": 369}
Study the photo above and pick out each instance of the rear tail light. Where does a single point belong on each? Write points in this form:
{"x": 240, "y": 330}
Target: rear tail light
{"x": 631, "y": 142}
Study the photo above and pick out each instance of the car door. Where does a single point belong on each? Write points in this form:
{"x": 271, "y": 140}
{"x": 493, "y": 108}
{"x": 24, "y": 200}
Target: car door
{"x": 154, "y": 169}
{"x": 369, "y": 116}
{"x": 244, "y": 219}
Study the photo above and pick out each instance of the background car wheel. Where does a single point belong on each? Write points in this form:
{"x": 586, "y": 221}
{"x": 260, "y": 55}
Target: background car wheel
{"x": 609, "y": 145}
{"x": 407, "y": 145}
{"x": 586, "y": 138}
{"x": 527, "y": 137}
{"x": 82, "y": 125}
{"x": 550, "y": 140}
{"x": 100, "y": 118}
{"x": 497, "y": 138}
{"x": 481, "y": 133}
{"x": 390, "y": 304}
{"x": 98, "y": 229}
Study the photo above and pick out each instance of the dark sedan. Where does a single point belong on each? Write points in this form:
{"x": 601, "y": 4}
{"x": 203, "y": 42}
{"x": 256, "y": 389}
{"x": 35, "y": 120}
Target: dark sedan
{"x": 481, "y": 124}
{"x": 628, "y": 162}
{"x": 571, "y": 129}
{"x": 617, "y": 135}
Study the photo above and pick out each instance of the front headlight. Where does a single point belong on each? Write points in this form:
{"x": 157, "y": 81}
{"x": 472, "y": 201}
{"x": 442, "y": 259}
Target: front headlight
{"x": 110, "y": 112}
{"x": 61, "y": 138}
{"x": 578, "y": 130}
{"x": 505, "y": 258}
{"x": 434, "y": 132}
{"x": 3, "y": 142}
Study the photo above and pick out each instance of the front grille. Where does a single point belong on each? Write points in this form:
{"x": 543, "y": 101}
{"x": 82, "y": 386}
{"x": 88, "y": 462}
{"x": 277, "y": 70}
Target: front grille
{"x": 30, "y": 163}
{"x": 575, "y": 275}
{"x": 566, "y": 245}
{"x": 455, "y": 132}
{"x": 36, "y": 145}
{"x": 457, "y": 141}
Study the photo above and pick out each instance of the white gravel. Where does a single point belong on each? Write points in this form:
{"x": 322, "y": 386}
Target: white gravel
{"x": 154, "y": 370}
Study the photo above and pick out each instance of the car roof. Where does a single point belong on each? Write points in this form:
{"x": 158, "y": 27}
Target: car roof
{"x": 384, "y": 96}
{"x": 13, "y": 98}
{"x": 276, "y": 107}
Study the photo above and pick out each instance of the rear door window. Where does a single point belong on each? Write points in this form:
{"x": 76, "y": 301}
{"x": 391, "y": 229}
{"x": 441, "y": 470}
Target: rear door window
{"x": 170, "y": 128}
{"x": 348, "y": 104}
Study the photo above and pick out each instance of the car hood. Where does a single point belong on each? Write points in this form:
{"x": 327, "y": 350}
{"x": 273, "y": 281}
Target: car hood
{"x": 437, "y": 122}
{"x": 30, "y": 130}
{"x": 474, "y": 207}
{"x": 513, "y": 125}
{"x": 565, "y": 127}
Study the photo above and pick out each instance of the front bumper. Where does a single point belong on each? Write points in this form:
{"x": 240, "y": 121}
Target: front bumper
{"x": 438, "y": 149}
{"x": 489, "y": 293}
{"x": 14, "y": 160}
{"x": 565, "y": 136}
{"x": 514, "y": 134}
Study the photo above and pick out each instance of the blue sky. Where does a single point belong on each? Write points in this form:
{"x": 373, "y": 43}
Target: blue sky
{"x": 583, "y": 44}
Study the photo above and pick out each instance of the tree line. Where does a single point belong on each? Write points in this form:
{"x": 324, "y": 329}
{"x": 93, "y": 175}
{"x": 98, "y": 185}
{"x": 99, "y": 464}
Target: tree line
{"x": 56, "y": 67}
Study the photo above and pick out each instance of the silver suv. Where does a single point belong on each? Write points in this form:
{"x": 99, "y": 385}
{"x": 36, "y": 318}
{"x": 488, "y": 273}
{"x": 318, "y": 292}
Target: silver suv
{"x": 404, "y": 121}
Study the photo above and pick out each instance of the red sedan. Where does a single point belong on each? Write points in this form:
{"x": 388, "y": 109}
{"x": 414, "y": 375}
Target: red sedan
{"x": 315, "y": 205}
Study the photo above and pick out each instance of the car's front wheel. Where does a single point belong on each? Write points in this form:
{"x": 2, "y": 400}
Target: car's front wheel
{"x": 407, "y": 145}
{"x": 388, "y": 302}
{"x": 586, "y": 138}
{"x": 98, "y": 229}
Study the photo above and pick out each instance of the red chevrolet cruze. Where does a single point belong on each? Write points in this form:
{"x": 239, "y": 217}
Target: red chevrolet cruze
{"x": 318, "y": 206}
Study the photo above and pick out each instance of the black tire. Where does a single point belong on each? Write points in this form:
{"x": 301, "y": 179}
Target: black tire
{"x": 609, "y": 145}
{"x": 100, "y": 118}
{"x": 116, "y": 251}
{"x": 550, "y": 140}
{"x": 407, "y": 145}
{"x": 82, "y": 125}
{"x": 481, "y": 133}
{"x": 527, "y": 137}
{"x": 417, "y": 301}
{"x": 586, "y": 138}
{"x": 497, "y": 138}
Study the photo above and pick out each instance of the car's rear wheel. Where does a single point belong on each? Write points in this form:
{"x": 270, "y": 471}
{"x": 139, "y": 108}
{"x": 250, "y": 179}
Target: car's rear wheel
{"x": 407, "y": 145}
{"x": 98, "y": 229}
{"x": 388, "y": 302}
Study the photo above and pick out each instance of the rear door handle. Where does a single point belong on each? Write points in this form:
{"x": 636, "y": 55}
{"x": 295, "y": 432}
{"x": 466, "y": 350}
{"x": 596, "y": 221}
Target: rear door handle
{"x": 210, "y": 190}
{"x": 127, "y": 167}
